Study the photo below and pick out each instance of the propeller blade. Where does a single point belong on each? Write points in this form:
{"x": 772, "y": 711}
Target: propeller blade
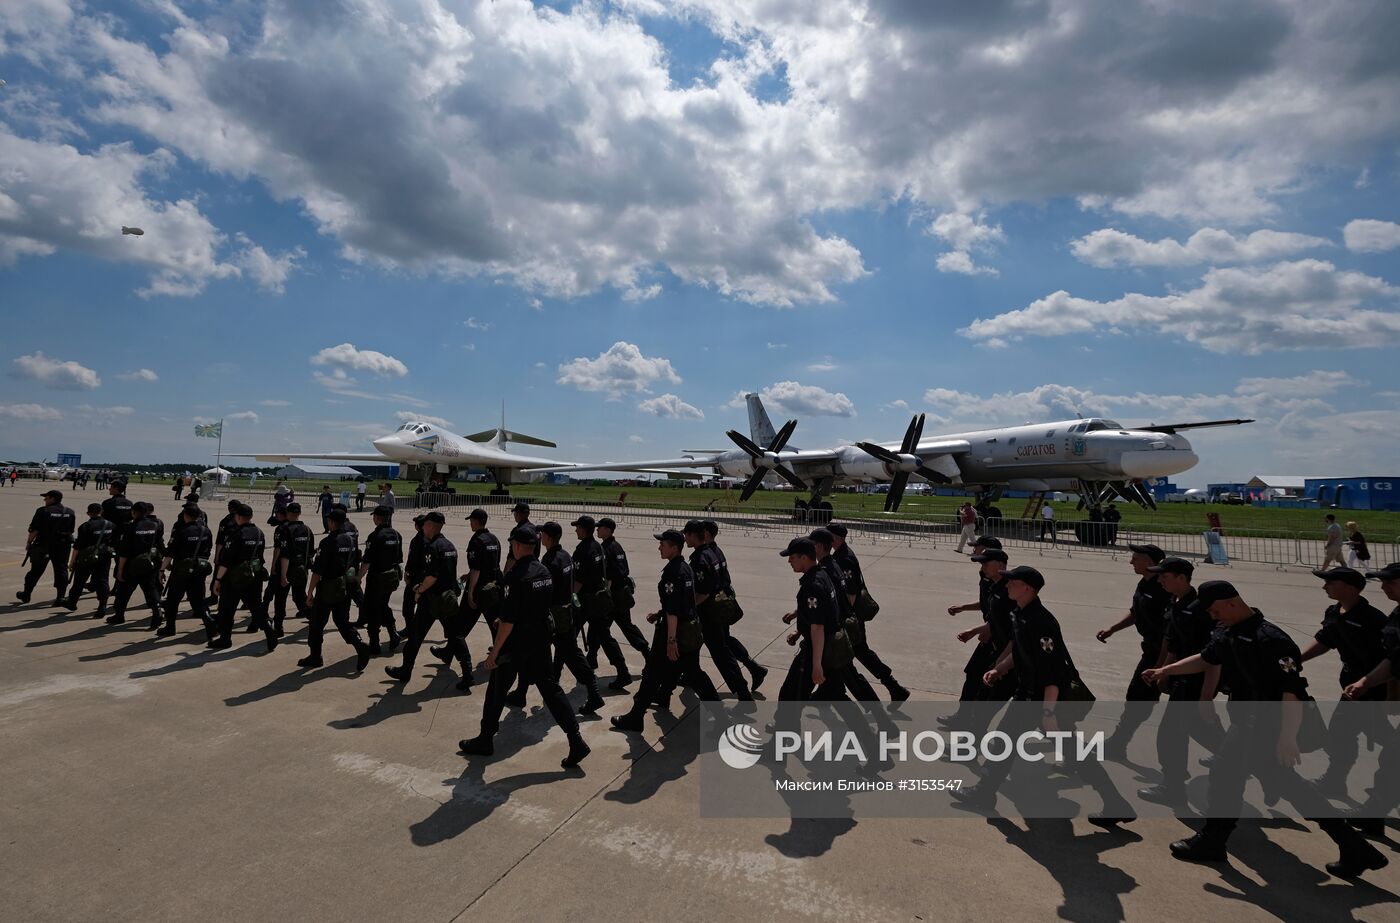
{"x": 896, "y": 494}
{"x": 878, "y": 451}
{"x": 783, "y": 436}
{"x": 745, "y": 443}
{"x": 929, "y": 474}
{"x": 913, "y": 435}
{"x": 787, "y": 474}
{"x": 752, "y": 484}
{"x": 1080, "y": 505}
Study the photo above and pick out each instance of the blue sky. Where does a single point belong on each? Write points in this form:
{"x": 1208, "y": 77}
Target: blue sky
{"x": 617, "y": 217}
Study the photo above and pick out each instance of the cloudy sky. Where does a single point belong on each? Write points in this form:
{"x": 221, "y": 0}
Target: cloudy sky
{"x": 617, "y": 216}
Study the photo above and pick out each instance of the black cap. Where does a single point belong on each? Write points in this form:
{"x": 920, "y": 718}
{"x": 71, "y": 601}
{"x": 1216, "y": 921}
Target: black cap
{"x": 1172, "y": 566}
{"x": 336, "y": 516}
{"x": 821, "y": 537}
{"x": 118, "y": 484}
{"x": 478, "y": 514}
{"x": 340, "y": 506}
{"x": 1389, "y": 572}
{"x": 525, "y": 535}
{"x": 294, "y": 507}
{"x": 56, "y": 494}
{"x": 1152, "y": 551}
{"x": 694, "y": 526}
{"x": 800, "y": 546}
{"x": 585, "y": 521}
{"x": 435, "y": 516}
{"x": 607, "y": 523}
{"x": 1027, "y": 575}
{"x": 836, "y": 528}
{"x": 553, "y": 530}
{"x": 382, "y": 510}
{"x": 233, "y": 505}
{"x": 1347, "y": 575}
{"x": 991, "y": 554}
{"x": 243, "y": 509}
{"x": 710, "y": 526}
{"x": 521, "y": 507}
{"x": 671, "y": 536}
{"x": 191, "y": 509}
{"x": 97, "y": 508}
{"x": 986, "y": 541}
{"x": 282, "y": 512}
{"x": 1213, "y": 591}
{"x": 418, "y": 520}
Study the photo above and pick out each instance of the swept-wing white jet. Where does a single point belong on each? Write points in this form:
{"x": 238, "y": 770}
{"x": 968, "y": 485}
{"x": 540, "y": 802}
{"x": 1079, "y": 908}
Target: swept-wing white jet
{"x": 1096, "y": 458}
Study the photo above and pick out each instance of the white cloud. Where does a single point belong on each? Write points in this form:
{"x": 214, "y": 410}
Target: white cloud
{"x": 1306, "y": 304}
{"x": 348, "y": 357}
{"x": 966, "y": 233}
{"x": 119, "y": 410}
{"x": 250, "y": 415}
{"x": 1109, "y": 247}
{"x": 960, "y": 261}
{"x": 139, "y": 375}
{"x": 275, "y": 403}
{"x": 1366, "y": 235}
{"x": 473, "y": 324}
{"x": 636, "y": 440}
{"x": 669, "y": 405}
{"x": 268, "y": 271}
{"x": 777, "y": 346}
{"x": 622, "y": 368}
{"x": 825, "y": 365}
{"x": 55, "y": 373}
{"x": 30, "y": 413}
{"x": 795, "y": 398}
{"x": 407, "y": 416}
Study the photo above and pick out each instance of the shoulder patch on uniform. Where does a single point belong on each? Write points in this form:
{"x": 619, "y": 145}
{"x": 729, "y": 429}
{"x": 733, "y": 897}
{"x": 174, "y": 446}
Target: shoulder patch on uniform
{"x": 1047, "y": 645}
{"x": 1287, "y": 665}
{"x": 811, "y": 602}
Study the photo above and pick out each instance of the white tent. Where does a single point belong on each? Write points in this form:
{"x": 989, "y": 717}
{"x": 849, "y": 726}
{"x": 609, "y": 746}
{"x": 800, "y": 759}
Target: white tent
{"x": 215, "y": 472}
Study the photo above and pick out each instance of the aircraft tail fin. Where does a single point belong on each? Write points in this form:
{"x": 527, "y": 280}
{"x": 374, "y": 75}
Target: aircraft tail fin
{"x": 760, "y": 427}
{"x": 500, "y": 435}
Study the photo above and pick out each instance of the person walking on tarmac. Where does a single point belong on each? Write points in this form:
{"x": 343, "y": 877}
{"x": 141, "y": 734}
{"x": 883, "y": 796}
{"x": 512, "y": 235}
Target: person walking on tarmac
{"x": 238, "y": 579}
{"x": 382, "y": 568}
{"x": 139, "y": 554}
{"x": 818, "y": 618}
{"x": 981, "y": 701}
{"x": 187, "y": 561}
{"x": 757, "y": 672}
{"x": 482, "y": 594}
{"x": 1148, "y": 614}
{"x": 622, "y": 588}
{"x": 713, "y": 604}
{"x": 861, "y": 603}
{"x": 435, "y": 599}
{"x": 595, "y": 599}
{"x": 92, "y": 553}
{"x": 116, "y": 509}
{"x": 329, "y": 594}
{"x": 293, "y": 547}
{"x": 521, "y": 647}
{"x": 49, "y": 541}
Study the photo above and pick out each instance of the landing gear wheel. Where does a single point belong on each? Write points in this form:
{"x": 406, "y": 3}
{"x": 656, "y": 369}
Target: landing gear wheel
{"x": 500, "y": 492}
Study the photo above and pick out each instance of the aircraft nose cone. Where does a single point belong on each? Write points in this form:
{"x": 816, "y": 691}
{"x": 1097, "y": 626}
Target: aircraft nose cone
{"x": 385, "y": 443}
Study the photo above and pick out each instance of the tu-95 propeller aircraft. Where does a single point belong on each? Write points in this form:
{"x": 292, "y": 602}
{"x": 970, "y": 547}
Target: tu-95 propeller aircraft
{"x": 1095, "y": 458}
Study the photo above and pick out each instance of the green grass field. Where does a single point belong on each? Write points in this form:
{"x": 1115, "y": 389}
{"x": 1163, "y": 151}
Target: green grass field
{"x": 1169, "y": 517}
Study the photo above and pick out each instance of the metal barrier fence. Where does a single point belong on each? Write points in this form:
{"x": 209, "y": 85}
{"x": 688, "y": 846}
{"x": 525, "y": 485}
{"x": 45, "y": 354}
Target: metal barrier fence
{"x": 1071, "y": 536}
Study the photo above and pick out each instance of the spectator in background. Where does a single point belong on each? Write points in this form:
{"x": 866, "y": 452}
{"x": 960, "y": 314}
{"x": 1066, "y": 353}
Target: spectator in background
{"x": 386, "y": 495}
{"x": 1358, "y": 555}
{"x": 1332, "y": 544}
{"x": 360, "y": 496}
{"x": 324, "y": 503}
{"x": 281, "y": 496}
{"x": 967, "y": 519}
{"x": 1047, "y": 523}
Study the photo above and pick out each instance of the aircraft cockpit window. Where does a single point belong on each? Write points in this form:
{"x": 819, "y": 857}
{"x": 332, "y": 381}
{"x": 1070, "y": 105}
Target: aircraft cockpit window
{"x": 1093, "y": 426}
{"x": 405, "y": 426}
{"x": 1111, "y": 424}
{"x": 1050, "y": 434}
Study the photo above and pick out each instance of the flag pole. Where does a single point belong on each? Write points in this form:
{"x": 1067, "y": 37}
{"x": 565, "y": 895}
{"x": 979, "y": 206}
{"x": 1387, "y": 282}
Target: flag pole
{"x": 219, "y": 452}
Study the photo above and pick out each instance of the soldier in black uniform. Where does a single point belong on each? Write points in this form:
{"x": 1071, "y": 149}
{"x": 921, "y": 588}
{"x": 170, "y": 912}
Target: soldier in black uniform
{"x": 521, "y": 512}
{"x": 1352, "y": 627}
{"x": 983, "y": 656}
{"x": 623, "y": 590}
{"x": 1045, "y": 673}
{"x": 50, "y": 540}
{"x": 855, "y": 682}
{"x": 357, "y": 592}
{"x": 983, "y": 700}
{"x": 521, "y": 646}
{"x": 483, "y": 573}
{"x": 412, "y": 571}
{"x": 221, "y": 533}
{"x": 1188, "y": 631}
{"x": 92, "y": 550}
{"x": 328, "y": 593}
{"x": 1384, "y": 796}
{"x": 818, "y": 617}
{"x": 293, "y": 547}
{"x": 277, "y": 520}
{"x": 595, "y": 599}
{"x": 382, "y": 569}
{"x": 704, "y": 565}
{"x": 757, "y": 671}
{"x": 1261, "y": 664}
{"x": 139, "y": 553}
{"x": 239, "y": 576}
{"x": 187, "y": 559}
{"x": 671, "y": 662}
{"x": 435, "y": 600}
{"x": 116, "y": 509}
{"x": 1148, "y": 614}
{"x": 846, "y": 561}
{"x": 561, "y": 608}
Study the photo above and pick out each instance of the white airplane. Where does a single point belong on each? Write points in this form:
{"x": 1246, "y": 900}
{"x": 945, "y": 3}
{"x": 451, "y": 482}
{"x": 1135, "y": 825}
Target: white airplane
{"x": 1097, "y": 459}
{"x": 436, "y": 452}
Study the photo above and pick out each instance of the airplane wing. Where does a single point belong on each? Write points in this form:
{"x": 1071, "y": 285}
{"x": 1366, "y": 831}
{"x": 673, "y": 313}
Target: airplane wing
{"x": 1171, "y": 428}
{"x": 655, "y": 466}
{"x": 285, "y": 458}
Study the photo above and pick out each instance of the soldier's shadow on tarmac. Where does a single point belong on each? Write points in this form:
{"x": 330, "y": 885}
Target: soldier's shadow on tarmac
{"x": 151, "y": 642}
{"x": 295, "y": 680}
{"x": 91, "y": 633}
{"x": 653, "y": 765}
{"x": 392, "y": 701}
{"x": 58, "y": 618}
{"x": 193, "y": 660}
{"x": 1092, "y": 890}
{"x": 473, "y": 798}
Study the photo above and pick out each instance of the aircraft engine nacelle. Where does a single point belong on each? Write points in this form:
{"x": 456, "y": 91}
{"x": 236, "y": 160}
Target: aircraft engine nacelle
{"x": 857, "y": 465}
{"x": 740, "y": 468}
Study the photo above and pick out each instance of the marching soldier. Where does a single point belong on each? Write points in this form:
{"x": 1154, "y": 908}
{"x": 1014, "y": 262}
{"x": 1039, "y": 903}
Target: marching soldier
{"x": 675, "y": 645}
{"x": 221, "y": 532}
{"x": 382, "y": 568}
{"x": 329, "y": 593}
{"x": 187, "y": 560}
{"x": 1260, "y": 664}
{"x": 482, "y": 594}
{"x": 757, "y": 672}
{"x": 984, "y": 656}
{"x": 116, "y": 509}
{"x": 849, "y": 564}
{"x": 622, "y": 587}
{"x": 1148, "y": 614}
{"x": 595, "y": 599}
{"x": 855, "y": 682}
{"x": 521, "y": 512}
{"x": 238, "y": 578}
{"x": 357, "y": 593}
{"x": 1385, "y": 794}
{"x": 818, "y": 618}
{"x": 92, "y": 551}
{"x": 412, "y": 571}
{"x": 982, "y": 702}
{"x": 50, "y": 541}
{"x": 435, "y": 599}
{"x": 293, "y": 547}
{"x": 277, "y": 520}
{"x": 139, "y": 553}
{"x": 711, "y": 600}
{"x": 521, "y": 646}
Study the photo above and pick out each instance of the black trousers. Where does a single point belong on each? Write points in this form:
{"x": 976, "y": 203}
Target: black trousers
{"x": 1140, "y": 696}
{"x": 359, "y": 503}
{"x": 417, "y": 630}
{"x": 1021, "y": 718}
{"x": 322, "y": 612}
{"x": 377, "y": 611}
{"x": 600, "y": 636}
{"x": 529, "y": 661}
{"x": 1181, "y": 723}
{"x": 717, "y": 643}
{"x": 661, "y": 673}
{"x": 40, "y": 558}
{"x": 191, "y": 588}
{"x": 296, "y": 587}
{"x": 871, "y": 660}
{"x": 567, "y": 653}
{"x": 97, "y": 573}
{"x": 229, "y": 601}
{"x": 1349, "y": 721}
{"x": 630, "y": 631}
{"x": 798, "y": 686}
{"x": 150, "y": 591}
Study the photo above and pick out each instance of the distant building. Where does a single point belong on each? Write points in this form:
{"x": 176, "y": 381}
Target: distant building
{"x": 1355, "y": 493}
{"x": 311, "y": 472}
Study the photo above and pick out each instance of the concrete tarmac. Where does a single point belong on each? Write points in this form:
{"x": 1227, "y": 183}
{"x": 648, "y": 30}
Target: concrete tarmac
{"x": 147, "y": 778}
